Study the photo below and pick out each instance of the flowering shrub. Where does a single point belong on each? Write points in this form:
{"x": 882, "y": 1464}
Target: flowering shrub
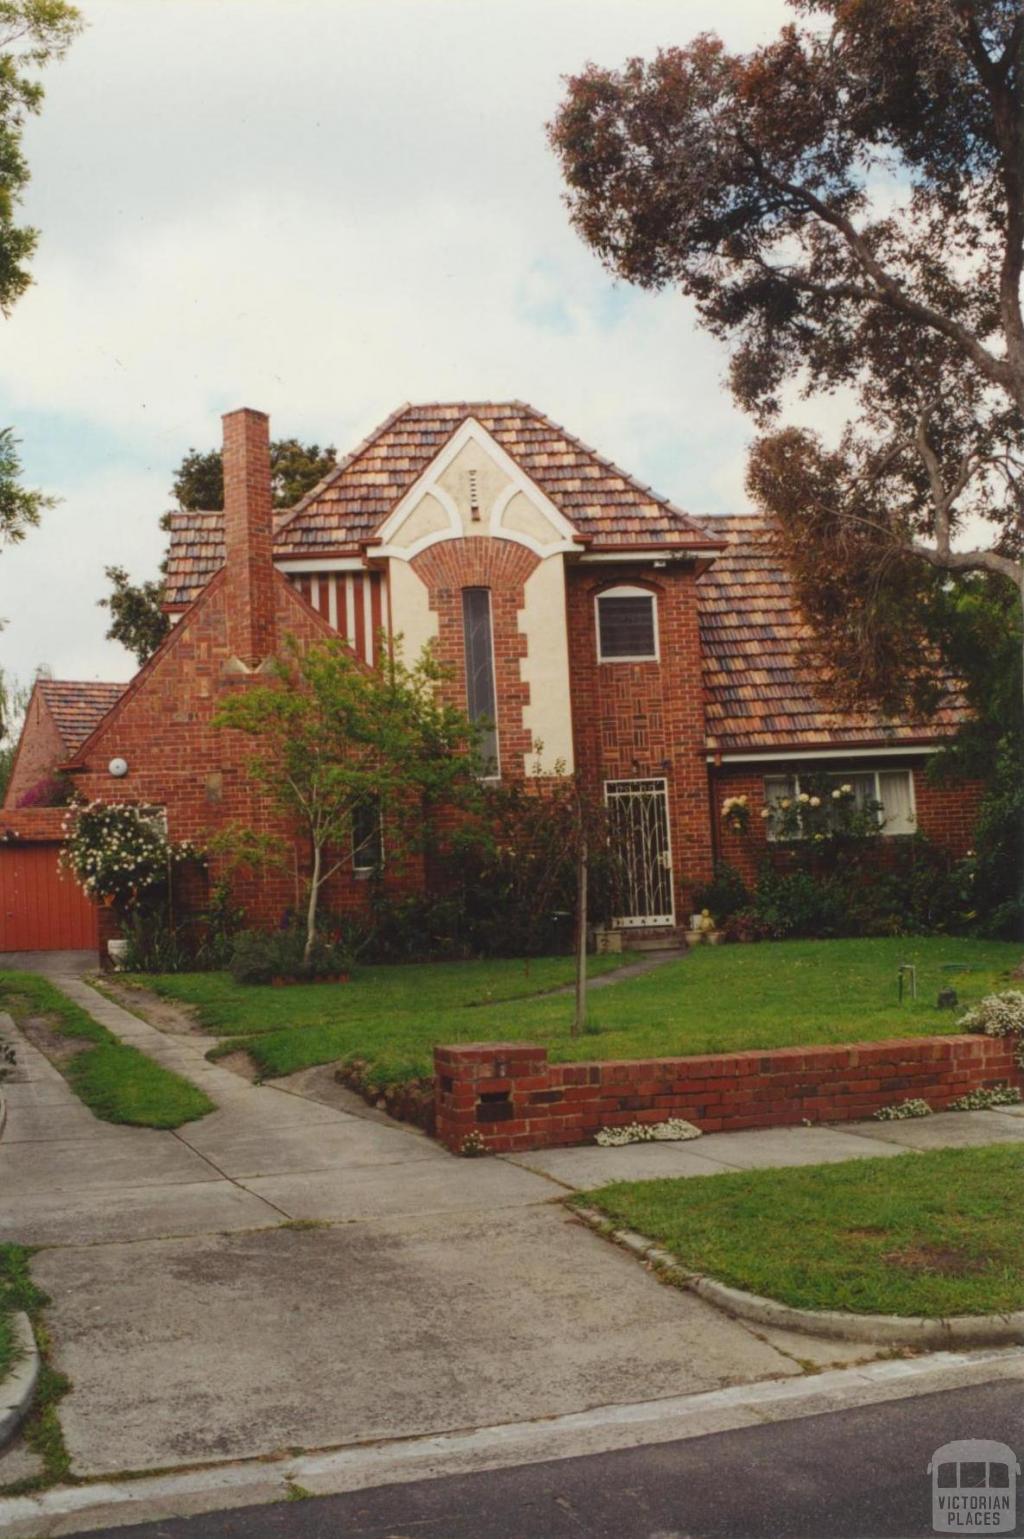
{"x": 822, "y": 814}
{"x": 997, "y": 1015}
{"x": 119, "y": 852}
{"x": 984, "y": 1100}
{"x": 736, "y": 814}
{"x": 901, "y": 1110}
{"x": 675, "y": 1130}
{"x": 50, "y": 791}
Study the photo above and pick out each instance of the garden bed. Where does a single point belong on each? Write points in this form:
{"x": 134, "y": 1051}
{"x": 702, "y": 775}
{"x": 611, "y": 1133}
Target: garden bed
{"x": 930, "y": 1235}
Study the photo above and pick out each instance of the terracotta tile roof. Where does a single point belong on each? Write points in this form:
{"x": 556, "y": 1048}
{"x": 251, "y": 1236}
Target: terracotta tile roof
{"x": 607, "y": 507}
{"x": 78, "y": 707}
{"x": 759, "y": 684}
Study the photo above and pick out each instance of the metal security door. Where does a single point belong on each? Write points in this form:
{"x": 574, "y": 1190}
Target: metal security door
{"x": 638, "y": 815}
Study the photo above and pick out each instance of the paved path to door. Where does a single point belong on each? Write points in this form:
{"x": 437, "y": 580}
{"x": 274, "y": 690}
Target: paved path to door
{"x": 284, "y": 1274}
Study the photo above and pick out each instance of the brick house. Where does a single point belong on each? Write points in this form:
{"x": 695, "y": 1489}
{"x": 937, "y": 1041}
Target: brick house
{"x": 594, "y": 623}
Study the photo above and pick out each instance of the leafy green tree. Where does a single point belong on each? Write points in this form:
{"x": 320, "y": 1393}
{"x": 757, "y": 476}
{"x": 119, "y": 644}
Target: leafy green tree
{"x": 13, "y": 702}
{"x": 333, "y": 738}
{"x": 845, "y": 207}
{"x": 20, "y": 507}
{"x": 295, "y": 468}
{"x": 33, "y": 33}
{"x": 137, "y": 618}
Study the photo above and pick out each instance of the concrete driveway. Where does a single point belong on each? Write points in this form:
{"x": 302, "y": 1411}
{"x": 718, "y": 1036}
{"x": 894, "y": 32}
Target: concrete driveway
{"x": 283, "y": 1274}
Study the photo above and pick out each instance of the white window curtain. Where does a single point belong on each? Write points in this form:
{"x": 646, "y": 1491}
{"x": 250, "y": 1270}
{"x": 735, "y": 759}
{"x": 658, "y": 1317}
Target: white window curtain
{"x": 897, "y": 798}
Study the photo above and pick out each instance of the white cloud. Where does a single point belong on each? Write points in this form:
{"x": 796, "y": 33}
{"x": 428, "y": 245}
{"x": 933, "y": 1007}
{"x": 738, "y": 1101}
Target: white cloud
{"x": 322, "y": 209}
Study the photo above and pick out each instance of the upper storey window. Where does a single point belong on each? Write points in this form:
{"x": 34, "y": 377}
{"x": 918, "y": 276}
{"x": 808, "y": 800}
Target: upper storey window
{"x": 478, "y": 640}
{"x": 627, "y": 625}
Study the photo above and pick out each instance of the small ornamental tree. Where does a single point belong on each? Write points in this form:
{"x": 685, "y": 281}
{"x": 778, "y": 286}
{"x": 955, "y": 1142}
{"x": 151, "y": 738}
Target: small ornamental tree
{"x": 119, "y": 852}
{"x": 334, "y": 738}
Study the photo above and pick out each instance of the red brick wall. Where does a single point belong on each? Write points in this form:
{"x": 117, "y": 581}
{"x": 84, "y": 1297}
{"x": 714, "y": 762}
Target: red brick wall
{"x": 634, "y": 720}
{"x": 38, "y": 824}
{"x": 248, "y": 536}
{"x": 40, "y": 750}
{"x": 513, "y": 1099}
{"x": 178, "y": 759}
{"x": 503, "y": 566}
{"x": 945, "y": 814}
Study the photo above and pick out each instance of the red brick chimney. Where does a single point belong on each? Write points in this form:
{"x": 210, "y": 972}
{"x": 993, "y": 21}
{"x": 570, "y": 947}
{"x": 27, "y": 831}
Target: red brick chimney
{"x": 248, "y": 536}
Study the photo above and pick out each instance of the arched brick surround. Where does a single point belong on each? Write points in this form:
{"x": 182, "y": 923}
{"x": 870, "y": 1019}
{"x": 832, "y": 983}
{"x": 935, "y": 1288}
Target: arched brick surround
{"x": 503, "y": 566}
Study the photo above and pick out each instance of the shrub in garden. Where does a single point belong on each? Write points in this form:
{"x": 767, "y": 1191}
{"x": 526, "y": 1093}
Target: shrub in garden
{"x": 260, "y": 957}
{"x": 799, "y": 903}
{"x": 724, "y": 895}
{"x": 997, "y": 1015}
{"x": 119, "y": 852}
{"x": 50, "y": 791}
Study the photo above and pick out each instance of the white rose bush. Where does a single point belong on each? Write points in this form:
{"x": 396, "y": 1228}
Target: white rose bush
{"x": 119, "y": 852}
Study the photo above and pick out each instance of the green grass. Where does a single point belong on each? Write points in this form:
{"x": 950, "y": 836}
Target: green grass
{"x": 716, "y": 1000}
{"x": 17, "y": 1292}
{"x": 116, "y": 1082}
{"x": 923, "y": 1234}
{"x": 41, "y": 1429}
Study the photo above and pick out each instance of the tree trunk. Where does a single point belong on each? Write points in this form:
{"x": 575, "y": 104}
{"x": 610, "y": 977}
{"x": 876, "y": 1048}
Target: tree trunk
{"x": 314, "y": 893}
{"x": 582, "y": 881}
{"x": 1020, "y": 830}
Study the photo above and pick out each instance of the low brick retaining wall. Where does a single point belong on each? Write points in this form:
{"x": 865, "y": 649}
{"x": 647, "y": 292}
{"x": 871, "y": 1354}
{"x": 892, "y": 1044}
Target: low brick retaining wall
{"x": 512, "y": 1098}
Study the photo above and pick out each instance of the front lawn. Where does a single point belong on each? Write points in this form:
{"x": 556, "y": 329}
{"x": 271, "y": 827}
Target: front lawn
{"x": 116, "y": 1082}
{"x": 718, "y": 999}
{"x": 924, "y": 1234}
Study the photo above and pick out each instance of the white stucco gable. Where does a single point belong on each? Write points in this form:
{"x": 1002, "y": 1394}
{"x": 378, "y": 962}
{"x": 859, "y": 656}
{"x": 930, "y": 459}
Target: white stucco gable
{"x": 474, "y": 488}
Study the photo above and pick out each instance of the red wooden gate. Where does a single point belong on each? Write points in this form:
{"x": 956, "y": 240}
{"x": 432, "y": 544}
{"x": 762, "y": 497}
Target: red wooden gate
{"x": 42, "y": 909}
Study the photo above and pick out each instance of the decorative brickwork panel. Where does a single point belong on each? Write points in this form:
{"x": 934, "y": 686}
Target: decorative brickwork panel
{"x": 501, "y": 566}
{"x": 646, "y": 719}
{"x": 509, "y": 1097}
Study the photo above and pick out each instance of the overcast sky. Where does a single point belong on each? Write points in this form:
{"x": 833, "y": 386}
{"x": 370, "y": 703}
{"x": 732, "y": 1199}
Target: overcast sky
{"x": 321, "y": 208}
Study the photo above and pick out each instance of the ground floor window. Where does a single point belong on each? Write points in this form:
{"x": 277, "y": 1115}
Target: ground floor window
{"x": 890, "y": 792}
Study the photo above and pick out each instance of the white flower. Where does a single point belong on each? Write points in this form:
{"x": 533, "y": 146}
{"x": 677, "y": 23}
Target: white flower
{"x": 815, "y": 801}
{"x": 847, "y": 790}
{"x": 804, "y": 796}
{"x": 785, "y": 802}
{"x": 836, "y": 795}
{"x": 766, "y": 812}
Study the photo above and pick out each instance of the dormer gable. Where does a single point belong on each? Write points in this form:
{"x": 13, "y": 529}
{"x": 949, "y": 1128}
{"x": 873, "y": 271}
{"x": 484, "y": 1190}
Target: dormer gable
{"x": 474, "y": 488}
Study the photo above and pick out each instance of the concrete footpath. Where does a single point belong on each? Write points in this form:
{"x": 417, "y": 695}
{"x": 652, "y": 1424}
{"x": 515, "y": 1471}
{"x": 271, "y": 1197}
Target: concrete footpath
{"x": 286, "y": 1275}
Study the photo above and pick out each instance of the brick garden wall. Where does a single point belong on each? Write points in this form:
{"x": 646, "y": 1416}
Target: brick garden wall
{"x": 514, "y": 1099}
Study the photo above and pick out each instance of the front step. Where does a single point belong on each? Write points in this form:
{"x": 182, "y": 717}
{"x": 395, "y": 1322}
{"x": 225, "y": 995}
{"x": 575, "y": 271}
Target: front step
{"x": 670, "y": 938}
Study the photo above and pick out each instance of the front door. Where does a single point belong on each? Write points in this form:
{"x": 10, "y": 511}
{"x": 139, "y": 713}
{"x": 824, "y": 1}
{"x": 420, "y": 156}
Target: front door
{"x": 638, "y": 816}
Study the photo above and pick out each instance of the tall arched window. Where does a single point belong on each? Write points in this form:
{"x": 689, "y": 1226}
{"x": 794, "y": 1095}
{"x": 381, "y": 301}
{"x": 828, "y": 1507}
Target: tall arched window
{"x": 481, "y": 701}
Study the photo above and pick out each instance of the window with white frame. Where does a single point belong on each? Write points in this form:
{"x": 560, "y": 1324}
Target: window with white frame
{"x": 627, "y": 625}
{"x": 891, "y": 791}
